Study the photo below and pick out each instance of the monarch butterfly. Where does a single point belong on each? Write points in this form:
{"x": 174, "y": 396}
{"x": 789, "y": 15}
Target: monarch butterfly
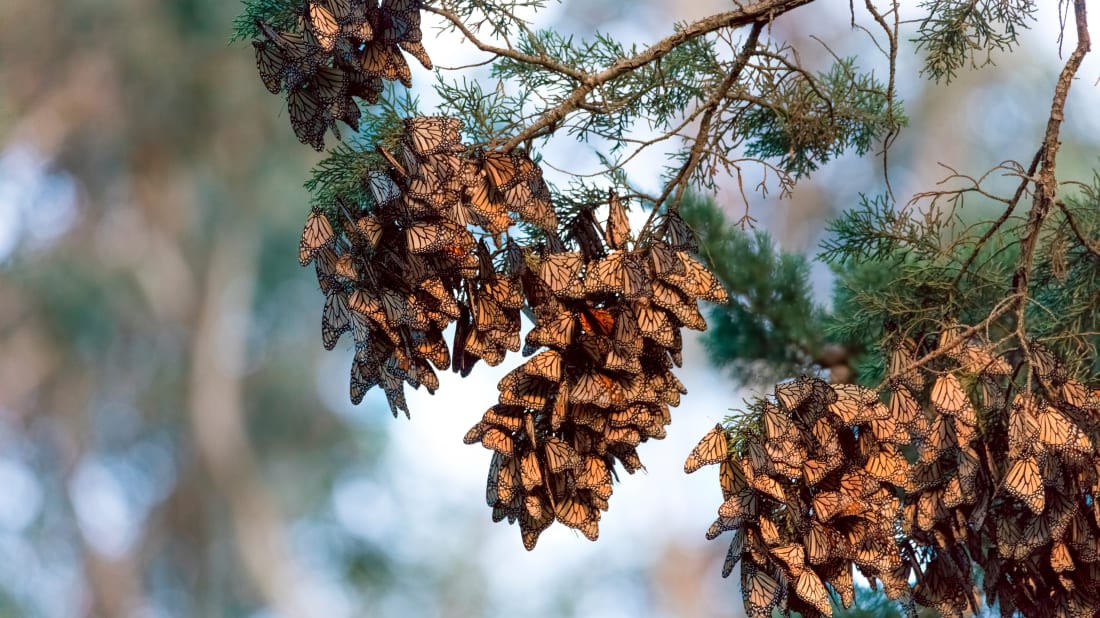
{"x": 740, "y": 507}
{"x": 1075, "y": 394}
{"x": 590, "y": 527}
{"x": 605, "y": 276}
{"x": 434, "y": 349}
{"x": 758, "y": 458}
{"x": 531, "y": 527}
{"x": 617, "y": 231}
{"x": 942, "y": 437}
{"x": 937, "y": 590}
{"x": 905, "y": 410}
{"x": 499, "y": 486}
{"x": 316, "y": 235}
{"x": 766, "y": 532}
{"x": 1060, "y": 558}
{"x": 595, "y": 476}
{"x": 1044, "y": 363}
{"x": 671, "y": 300}
{"x": 328, "y": 85}
{"x": 793, "y": 394}
{"x": 636, "y": 279}
{"x": 271, "y": 64}
{"x": 626, "y": 456}
{"x": 818, "y": 543}
{"x": 403, "y": 27}
{"x": 336, "y": 319}
{"x": 595, "y": 387}
{"x": 1024, "y": 482}
{"x": 599, "y": 322}
{"x": 384, "y": 60}
{"x": 325, "y": 265}
{"x": 503, "y": 417}
{"x": 887, "y": 465}
{"x": 769, "y": 486}
{"x": 623, "y": 357}
{"x": 423, "y": 237}
{"x": 1057, "y": 431}
{"x": 731, "y": 477}
{"x": 496, "y": 440}
{"x": 530, "y": 392}
{"x": 296, "y": 50}
{"x": 830, "y": 504}
{"x": 930, "y": 508}
{"x": 792, "y": 556}
{"x": 733, "y": 554}
{"x": 546, "y": 364}
{"x": 697, "y": 281}
{"x": 533, "y": 505}
{"x": 809, "y": 588}
{"x": 559, "y": 271}
{"x": 979, "y": 359}
{"x": 395, "y": 306}
{"x": 307, "y": 117}
{"x": 857, "y": 483}
{"x": 1023, "y": 426}
{"x": 813, "y": 471}
{"x": 487, "y": 203}
{"x": 760, "y": 591}
{"x": 849, "y": 410}
{"x": 430, "y": 135}
{"x": 395, "y": 393}
{"x": 560, "y": 456}
{"x": 358, "y": 386}
{"x": 723, "y": 524}
{"x": 623, "y": 435}
{"x": 889, "y": 430}
{"x": 503, "y": 169}
{"x": 489, "y": 314}
{"x": 678, "y": 234}
{"x": 948, "y": 395}
{"x": 665, "y": 260}
{"x": 530, "y": 472}
{"x": 899, "y": 366}
{"x": 653, "y": 324}
{"x": 844, "y": 586}
{"x": 1035, "y": 535}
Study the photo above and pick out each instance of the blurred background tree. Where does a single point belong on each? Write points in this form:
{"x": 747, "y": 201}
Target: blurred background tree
{"x": 169, "y": 442}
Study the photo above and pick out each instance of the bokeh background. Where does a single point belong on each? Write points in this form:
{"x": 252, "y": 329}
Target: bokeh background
{"x": 174, "y": 441}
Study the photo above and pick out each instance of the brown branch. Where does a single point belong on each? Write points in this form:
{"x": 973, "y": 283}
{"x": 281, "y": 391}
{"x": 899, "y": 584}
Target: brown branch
{"x": 541, "y": 60}
{"x": 1046, "y": 184}
{"x": 762, "y": 12}
{"x": 892, "y": 36}
{"x": 711, "y": 107}
{"x": 1085, "y": 242}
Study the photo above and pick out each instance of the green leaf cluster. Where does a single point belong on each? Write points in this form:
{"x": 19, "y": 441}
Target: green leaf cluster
{"x": 955, "y": 33}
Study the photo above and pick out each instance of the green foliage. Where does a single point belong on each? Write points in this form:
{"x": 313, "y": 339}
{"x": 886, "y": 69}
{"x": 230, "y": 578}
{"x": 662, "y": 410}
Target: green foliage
{"x": 807, "y": 120}
{"x": 343, "y": 171}
{"x": 281, "y": 14}
{"x": 956, "y": 32}
{"x": 770, "y": 328}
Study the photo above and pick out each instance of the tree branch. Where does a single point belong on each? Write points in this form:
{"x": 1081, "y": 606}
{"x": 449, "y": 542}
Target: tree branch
{"x": 762, "y": 12}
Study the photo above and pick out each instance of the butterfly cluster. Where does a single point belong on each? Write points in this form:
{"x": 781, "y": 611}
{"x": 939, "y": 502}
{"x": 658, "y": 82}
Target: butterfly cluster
{"x": 341, "y": 49}
{"x": 399, "y": 271}
{"x": 940, "y": 475}
{"x": 607, "y": 334}
{"x": 811, "y": 492}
